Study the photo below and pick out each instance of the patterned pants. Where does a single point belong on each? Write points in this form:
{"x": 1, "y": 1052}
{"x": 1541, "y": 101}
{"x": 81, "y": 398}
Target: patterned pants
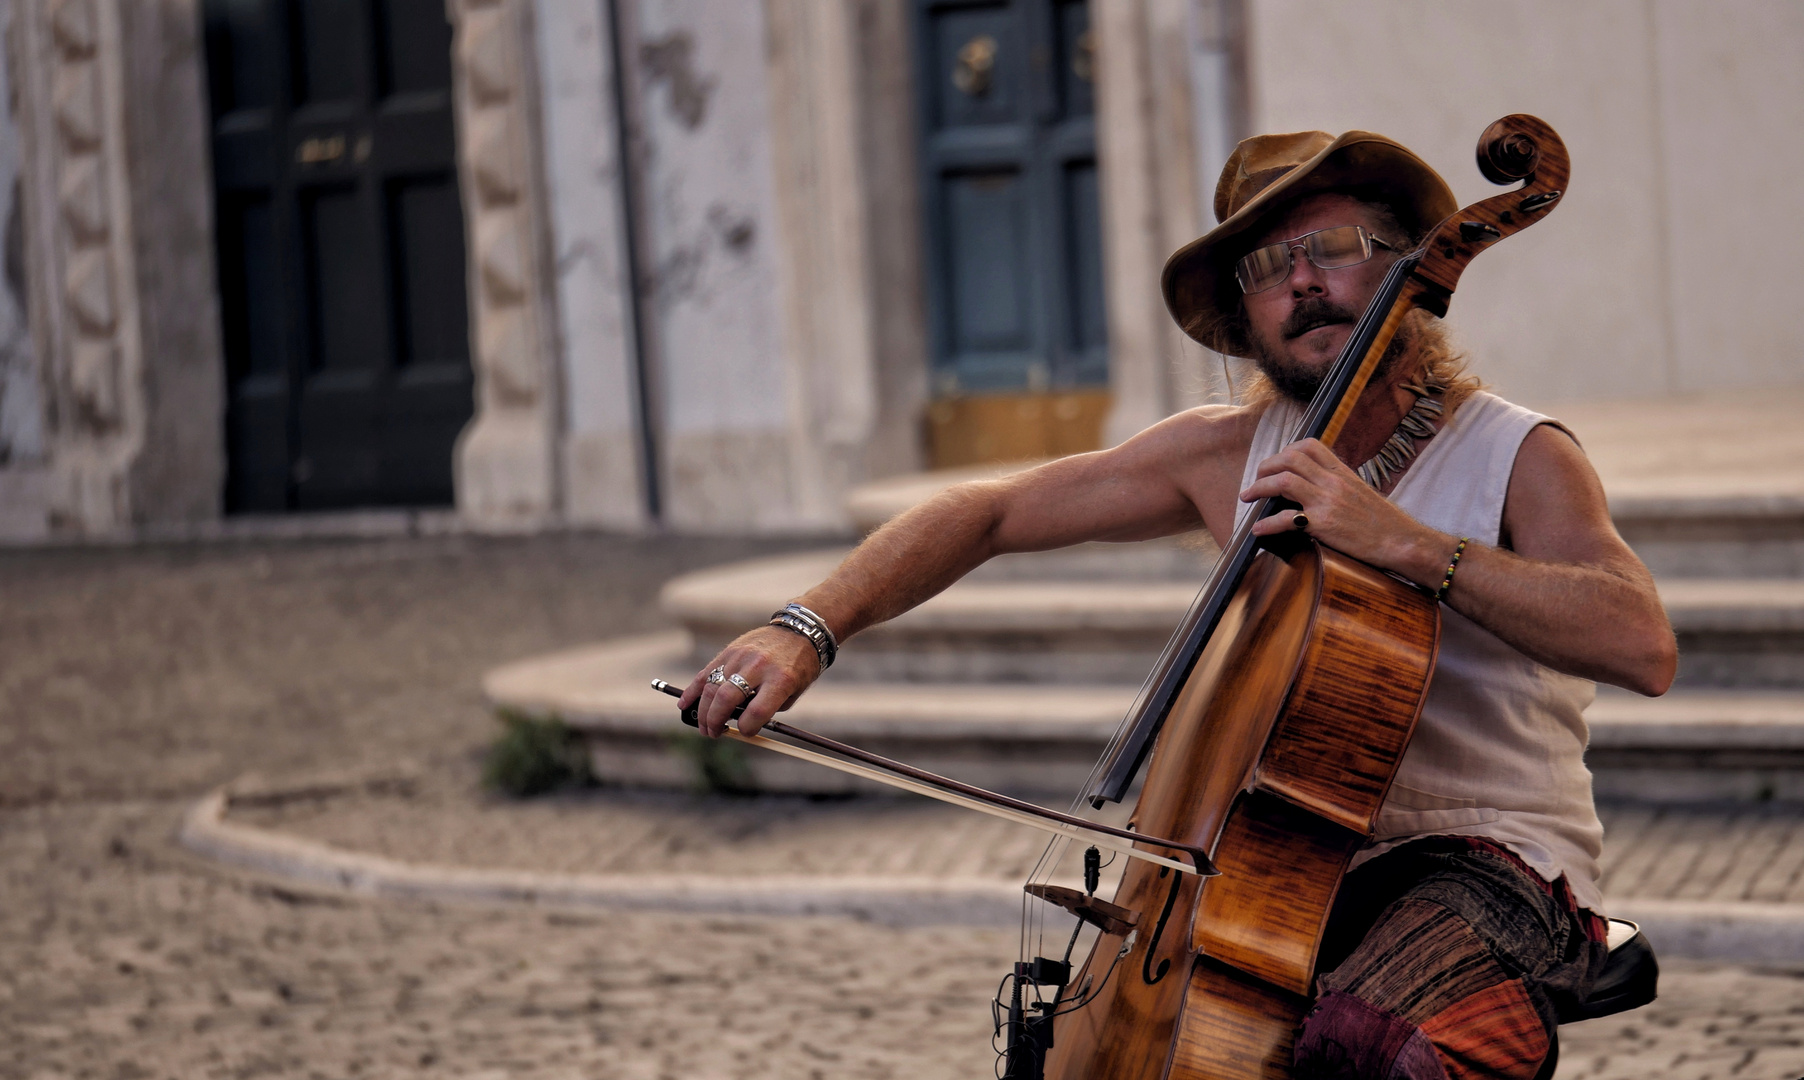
{"x": 1445, "y": 959}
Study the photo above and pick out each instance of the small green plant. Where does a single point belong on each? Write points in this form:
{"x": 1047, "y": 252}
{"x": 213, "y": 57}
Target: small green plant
{"x": 534, "y": 755}
{"x": 720, "y": 765}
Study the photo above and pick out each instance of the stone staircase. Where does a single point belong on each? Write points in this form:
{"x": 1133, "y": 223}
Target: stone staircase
{"x": 1015, "y": 677}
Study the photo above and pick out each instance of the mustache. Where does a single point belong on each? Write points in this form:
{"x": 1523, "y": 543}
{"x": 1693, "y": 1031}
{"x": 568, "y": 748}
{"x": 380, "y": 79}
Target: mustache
{"x": 1312, "y": 312}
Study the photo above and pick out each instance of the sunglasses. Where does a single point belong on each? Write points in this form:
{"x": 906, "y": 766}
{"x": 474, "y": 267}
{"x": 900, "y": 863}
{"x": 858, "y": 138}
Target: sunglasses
{"x": 1329, "y": 249}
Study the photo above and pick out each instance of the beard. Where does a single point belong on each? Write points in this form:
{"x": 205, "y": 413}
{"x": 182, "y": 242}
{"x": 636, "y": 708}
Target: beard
{"x": 1295, "y": 379}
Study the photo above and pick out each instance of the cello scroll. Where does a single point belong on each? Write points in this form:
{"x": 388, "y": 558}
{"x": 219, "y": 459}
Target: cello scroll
{"x": 1517, "y": 147}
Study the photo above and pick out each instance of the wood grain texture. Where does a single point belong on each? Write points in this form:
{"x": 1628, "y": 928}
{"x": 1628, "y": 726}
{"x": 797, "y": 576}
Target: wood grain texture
{"x": 1358, "y": 693}
{"x": 1454, "y": 243}
{"x": 1281, "y": 868}
{"x": 1223, "y": 716}
{"x": 1265, "y": 917}
{"x": 1234, "y": 1028}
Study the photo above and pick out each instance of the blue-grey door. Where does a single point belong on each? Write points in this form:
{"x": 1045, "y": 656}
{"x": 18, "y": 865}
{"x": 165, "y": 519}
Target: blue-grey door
{"x": 1013, "y": 230}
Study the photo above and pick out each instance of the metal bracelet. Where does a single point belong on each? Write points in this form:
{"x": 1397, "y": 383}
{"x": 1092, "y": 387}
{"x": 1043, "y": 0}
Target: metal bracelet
{"x": 821, "y": 639}
{"x": 800, "y": 620}
{"x": 824, "y": 651}
{"x": 796, "y": 609}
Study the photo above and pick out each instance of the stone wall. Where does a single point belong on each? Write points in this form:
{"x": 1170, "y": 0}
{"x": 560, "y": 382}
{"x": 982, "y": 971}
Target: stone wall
{"x": 774, "y": 309}
{"x": 1679, "y": 116}
{"x": 603, "y": 453}
{"x": 506, "y": 461}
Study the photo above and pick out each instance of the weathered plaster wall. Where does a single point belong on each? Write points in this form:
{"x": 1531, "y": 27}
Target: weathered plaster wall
{"x": 883, "y": 87}
{"x": 603, "y": 473}
{"x": 1679, "y": 115}
{"x": 711, "y": 234}
{"x": 1169, "y": 113}
{"x": 769, "y": 185}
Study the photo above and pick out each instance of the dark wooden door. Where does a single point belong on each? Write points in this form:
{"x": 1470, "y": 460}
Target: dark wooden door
{"x": 1013, "y": 229}
{"x": 340, "y": 249}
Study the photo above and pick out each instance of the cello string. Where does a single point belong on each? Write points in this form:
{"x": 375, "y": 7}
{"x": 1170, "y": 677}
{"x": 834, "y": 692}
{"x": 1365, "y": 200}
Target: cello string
{"x": 1320, "y": 412}
{"x": 1335, "y": 386}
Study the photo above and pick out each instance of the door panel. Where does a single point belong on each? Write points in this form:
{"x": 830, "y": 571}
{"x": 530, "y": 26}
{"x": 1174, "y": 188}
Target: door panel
{"x": 1087, "y": 325}
{"x": 986, "y": 244}
{"x": 341, "y": 255}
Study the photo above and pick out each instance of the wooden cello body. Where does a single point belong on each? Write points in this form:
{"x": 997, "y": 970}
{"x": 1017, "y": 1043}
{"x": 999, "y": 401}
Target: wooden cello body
{"x": 1270, "y": 733}
{"x": 1302, "y": 704}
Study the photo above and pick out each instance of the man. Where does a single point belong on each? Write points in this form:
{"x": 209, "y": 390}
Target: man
{"x": 1476, "y": 908}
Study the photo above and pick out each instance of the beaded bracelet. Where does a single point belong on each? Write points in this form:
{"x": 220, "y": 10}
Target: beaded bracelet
{"x": 1447, "y": 582}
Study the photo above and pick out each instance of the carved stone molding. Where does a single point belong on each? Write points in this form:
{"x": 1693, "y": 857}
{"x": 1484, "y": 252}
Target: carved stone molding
{"x": 68, "y": 56}
{"x": 506, "y": 471}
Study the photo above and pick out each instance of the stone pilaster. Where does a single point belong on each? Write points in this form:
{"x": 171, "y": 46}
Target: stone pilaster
{"x": 840, "y": 109}
{"x": 1146, "y": 148}
{"x": 118, "y": 253}
{"x": 506, "y": 459}
{"x": 67, "y": 55}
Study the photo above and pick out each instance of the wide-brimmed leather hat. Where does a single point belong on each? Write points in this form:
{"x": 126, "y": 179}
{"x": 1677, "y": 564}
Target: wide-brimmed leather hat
{"x": 1266, "y": 174}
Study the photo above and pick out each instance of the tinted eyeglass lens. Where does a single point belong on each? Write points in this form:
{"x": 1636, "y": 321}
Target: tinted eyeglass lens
{"x": 1344, "y": 245}
{"x": 1332, "y": 248}
{"x": 1262, "y": 269}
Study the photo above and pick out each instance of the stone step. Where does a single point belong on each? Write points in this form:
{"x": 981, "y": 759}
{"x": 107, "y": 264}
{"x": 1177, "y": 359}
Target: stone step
{"x": 1712, "y": 535}
{"x": 1732, "y": 632}
{"x": 983, "y": 629}
{"x": 1019, "y": 739}
{"x": 1698, "y": 745}
{"x": 1738, "y": 632}
{"x": 1043, "y": 739}
{"x": 1744, "y": 523}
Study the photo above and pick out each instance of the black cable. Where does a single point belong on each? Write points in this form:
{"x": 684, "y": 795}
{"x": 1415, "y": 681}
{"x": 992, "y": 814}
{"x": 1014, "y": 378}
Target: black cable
{"x": 1091, "y": 996}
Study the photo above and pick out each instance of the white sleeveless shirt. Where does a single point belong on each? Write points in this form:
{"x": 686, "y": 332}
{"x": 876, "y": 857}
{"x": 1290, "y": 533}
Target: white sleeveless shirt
{"x": 1500, "y": 749}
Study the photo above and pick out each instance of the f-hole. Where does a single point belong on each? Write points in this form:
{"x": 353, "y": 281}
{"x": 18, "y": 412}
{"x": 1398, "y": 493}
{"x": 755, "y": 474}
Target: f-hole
{"x": 1147, "y": 972}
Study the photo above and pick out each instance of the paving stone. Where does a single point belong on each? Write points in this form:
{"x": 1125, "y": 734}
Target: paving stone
{"x": 136, "y": 678}
{"x": 1709, "y": 1023}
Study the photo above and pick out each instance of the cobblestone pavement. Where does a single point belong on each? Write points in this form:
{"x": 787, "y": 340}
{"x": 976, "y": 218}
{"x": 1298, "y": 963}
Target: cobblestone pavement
{"x": 132, "y": 680}
{"x": 1744, "y": 852}
{"x": 1750, "y": 852}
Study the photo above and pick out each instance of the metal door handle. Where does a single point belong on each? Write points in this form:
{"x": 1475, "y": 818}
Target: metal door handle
{"x": 976, "y": 65}
{"x": 320, "y": 149}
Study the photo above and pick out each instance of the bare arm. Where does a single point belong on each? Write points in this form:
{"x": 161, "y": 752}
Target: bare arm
{"x": 1570, "y": 594}
{"x": 1144, "y": 488}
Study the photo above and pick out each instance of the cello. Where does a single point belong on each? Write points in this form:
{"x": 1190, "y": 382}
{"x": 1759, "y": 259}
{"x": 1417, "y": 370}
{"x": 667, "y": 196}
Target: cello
{"x": 1269, "y": 732}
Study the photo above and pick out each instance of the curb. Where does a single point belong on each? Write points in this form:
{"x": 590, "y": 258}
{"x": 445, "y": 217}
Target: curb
{"x": 895, "y": 901}
{"x": 1756, "y": 933}
{"x": 1752, "y": 933}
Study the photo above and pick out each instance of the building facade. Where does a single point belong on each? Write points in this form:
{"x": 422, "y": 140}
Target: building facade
{"x": 705, "y": 265}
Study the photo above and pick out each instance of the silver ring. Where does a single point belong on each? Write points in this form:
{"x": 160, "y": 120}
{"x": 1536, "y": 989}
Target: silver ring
{"x": 717, "y": 676}
{"x": 745, "y": 688}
